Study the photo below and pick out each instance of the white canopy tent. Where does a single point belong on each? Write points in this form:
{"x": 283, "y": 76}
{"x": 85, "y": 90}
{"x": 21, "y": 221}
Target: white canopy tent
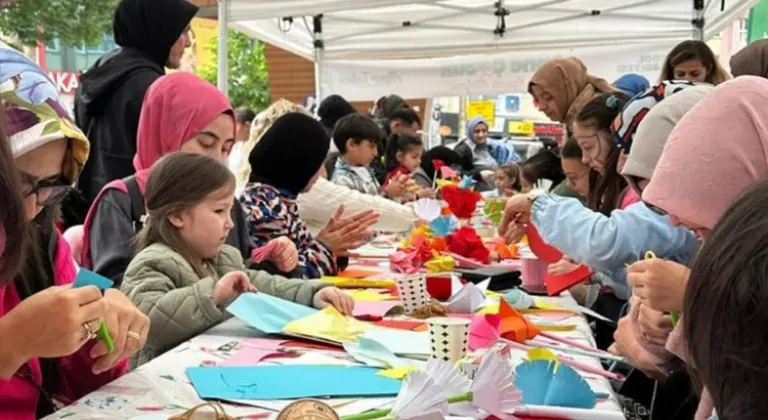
{"x": 365, "y": 48}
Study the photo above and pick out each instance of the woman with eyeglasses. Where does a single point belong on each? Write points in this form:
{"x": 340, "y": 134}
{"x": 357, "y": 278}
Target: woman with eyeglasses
{"x": 49, "y": 348}
{"x": 608, "y": 242}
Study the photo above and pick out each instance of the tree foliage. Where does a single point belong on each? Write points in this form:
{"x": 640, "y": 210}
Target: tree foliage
{"x": 73, "y": 22}
{"x": 247, "y": 71}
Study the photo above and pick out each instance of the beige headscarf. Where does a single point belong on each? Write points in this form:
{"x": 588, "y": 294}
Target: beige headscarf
{"x": 567, "y": 80}
{"x": 260, "y": 125}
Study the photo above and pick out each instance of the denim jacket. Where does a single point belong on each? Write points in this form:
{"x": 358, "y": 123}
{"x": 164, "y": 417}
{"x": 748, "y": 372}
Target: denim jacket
{"x": 608, "y": 244}
{"x": 345, "y": 175}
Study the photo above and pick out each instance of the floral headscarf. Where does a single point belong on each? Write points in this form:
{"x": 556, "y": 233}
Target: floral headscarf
{"x": 34, "y": 112}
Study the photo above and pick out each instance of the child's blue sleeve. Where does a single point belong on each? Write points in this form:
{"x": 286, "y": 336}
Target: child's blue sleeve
{"x": 608, "y": 243}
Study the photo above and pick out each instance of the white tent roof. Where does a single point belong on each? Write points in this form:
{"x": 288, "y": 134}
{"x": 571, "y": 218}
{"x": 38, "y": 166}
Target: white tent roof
{"x": 399, "y": 29}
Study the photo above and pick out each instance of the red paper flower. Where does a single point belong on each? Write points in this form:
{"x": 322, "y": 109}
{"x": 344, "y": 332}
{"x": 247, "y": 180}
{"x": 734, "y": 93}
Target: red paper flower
{"x": 466, "y": 242}
{"x": 462, "y": 202}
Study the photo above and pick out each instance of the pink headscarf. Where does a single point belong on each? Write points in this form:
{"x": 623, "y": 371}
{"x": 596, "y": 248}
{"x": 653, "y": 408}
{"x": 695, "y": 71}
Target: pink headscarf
{"x": 175, "y": 109}
{"x": 716, "y": 150}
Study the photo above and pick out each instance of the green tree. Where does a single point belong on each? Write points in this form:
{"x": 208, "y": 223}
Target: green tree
{"x": 247, "y": 70}
{"x": 73, "y": 22}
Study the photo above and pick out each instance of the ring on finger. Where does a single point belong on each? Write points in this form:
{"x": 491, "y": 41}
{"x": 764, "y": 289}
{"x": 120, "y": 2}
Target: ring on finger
{"x": 134, "y": 335}
{"x": 90, "y": 332}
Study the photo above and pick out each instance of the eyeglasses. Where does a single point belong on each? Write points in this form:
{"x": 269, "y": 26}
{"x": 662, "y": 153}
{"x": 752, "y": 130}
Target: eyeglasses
{"x": 47, "y": 191}
{"x": 655, "y": 209}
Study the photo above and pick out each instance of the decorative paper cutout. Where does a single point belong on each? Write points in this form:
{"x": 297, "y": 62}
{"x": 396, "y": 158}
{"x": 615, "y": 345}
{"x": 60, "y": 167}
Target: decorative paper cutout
{"x": 466, "y": 242}
{"x": 506, "y": 252}
{"x": 494, "y": 210}
{"x": 483, "y": 331}
{"x": 441, "y": 264}
{"x": 462, "y": 202}
{"x": 467, "y": 182}
{"x": 519, "y": 299}
{"x": 545, "y": 382}
{"x": 493, "y": 390}
{"x": 514, "y": 326}
{"x": 556, "y": 283}
{"x": 373, "y": 353}
{"x": 446, "y": 172}
{"x": 442, "y": 226}
{"x": 428, "y": 209}
{"x": 262, "y": 253}
{"x": 404, "y": 262}
{"x": 540, "y": 248}
{"x": 418, "y": 397}
{"x": 469, "y": 298}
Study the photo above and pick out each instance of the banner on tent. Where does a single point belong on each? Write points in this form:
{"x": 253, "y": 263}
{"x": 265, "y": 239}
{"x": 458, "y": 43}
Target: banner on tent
{"x": 490, "y": 74}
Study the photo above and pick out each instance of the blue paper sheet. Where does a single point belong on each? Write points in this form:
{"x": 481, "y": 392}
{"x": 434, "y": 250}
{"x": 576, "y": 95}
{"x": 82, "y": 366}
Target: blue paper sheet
{"x": 89, "y": 278}
{"x": 267, "y": 313}
{"x": 289, "y": 382}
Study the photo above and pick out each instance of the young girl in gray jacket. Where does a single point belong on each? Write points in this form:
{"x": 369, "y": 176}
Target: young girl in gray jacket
{"x": 184, "y": 275}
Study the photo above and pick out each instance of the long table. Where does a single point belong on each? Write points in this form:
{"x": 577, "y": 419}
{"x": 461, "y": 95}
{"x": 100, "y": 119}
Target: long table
{"x": 160, "y": 388}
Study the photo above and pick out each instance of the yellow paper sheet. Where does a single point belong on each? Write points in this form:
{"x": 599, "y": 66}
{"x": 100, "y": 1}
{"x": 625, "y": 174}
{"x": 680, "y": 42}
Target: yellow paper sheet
{"x": 369, "y": 296}
{"x": 491, "y": 309}
{"x": 541, "y": 354}
{"x": 397, "y": 373}
{"x": 442, "y": 264}
{"x": 543, "y": 304}
{"x": 557, "y": 328}
{"x": 344, "y": 282}
{"x": 328, "y": 324}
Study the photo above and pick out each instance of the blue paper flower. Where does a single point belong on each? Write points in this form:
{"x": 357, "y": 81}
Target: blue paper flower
{"x": 545, "y": 382}
{"x": 467, "y": 182}
{"x": 442, "y": 226}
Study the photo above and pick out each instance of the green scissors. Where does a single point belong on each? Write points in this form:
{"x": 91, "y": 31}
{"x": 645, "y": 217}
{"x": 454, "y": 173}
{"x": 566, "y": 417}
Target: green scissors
{"x": 674, "y": 315}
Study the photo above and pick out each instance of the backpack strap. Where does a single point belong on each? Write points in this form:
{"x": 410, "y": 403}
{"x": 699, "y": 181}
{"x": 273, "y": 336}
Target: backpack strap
{"x": 138, "y": 210}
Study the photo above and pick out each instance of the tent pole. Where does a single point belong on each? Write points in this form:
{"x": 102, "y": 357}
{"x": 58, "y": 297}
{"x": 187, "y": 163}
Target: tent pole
{"x": 319, "y": 44}
{"x": 698, "y": 20}
{"x": 222, "y": 80}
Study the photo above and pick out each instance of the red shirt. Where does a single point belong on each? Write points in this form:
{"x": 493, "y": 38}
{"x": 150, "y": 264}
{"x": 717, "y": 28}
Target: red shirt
{"x": 395, "y": 172}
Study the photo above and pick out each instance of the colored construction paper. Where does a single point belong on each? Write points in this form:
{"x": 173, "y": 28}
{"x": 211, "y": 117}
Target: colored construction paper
{"x": 374, "y": 308}
{"x": 469, "y": 298}
{"x": 373, "y": 353}
{"x": 514, "y": 326}
{"x": 401, "y": 342}
{"x": 541, "y": 249}
{"x": 89, "y": 278}
{"x": 368, "y": 296}
{"x": 546, "y": 382}
{"x": 483, "y": 331}
{"x": 556, "y": 283}
{"x": 252, "y": 351}
{"x": 327, "y": 325}
{"x": 267, "y": 313}
{"x": 289, "y": 382}
{"x": 467, "y": 182}
{"x": 345, "y": 282}
{"x": 358, "y": 273}
{"x": 440, "y": 264}
{"x": 519, "y": 299}
{"x": 400, "y": 324}
{"x": 398, "y": 373}
{"x": 442, "y": 226}
{"x": 448, "y": 172}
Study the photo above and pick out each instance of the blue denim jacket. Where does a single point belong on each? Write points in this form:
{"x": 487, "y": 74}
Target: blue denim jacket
{"x": 608, "y": 244}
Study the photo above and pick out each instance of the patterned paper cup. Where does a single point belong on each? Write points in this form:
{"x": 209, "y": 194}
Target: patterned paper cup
{"x": 449, "y": 338}
{"x": 413, "y": 292}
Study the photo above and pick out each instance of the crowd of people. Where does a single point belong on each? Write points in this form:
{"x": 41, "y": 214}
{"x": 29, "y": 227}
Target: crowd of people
{"x": 175, "y": 189}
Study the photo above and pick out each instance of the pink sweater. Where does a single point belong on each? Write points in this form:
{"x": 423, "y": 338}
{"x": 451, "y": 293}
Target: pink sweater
{"x": 18, "y": 397}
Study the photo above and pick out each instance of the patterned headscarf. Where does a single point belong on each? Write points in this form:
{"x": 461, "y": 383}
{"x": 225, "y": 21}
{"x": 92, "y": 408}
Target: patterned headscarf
{"x": 626, "y": 123}
{"x": 34, "y": 112}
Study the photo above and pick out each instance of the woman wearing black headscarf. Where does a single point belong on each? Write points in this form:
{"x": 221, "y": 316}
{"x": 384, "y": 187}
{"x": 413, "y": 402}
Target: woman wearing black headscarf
{"x": 286, "y": 161}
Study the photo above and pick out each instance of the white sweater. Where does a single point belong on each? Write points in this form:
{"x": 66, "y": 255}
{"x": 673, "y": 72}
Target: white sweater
{"x": 318, "y": 205}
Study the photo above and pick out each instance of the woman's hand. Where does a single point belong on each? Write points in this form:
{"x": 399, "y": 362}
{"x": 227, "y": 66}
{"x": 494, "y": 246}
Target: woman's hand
{"x": 626, "y": 345}
{"x": 229, "y": 287}
{"x": 127, "y": 326}
{"x": 655, "y": 326}
{"x": 332, "y": 296}
{"x": 50, "y": 323}
{"x": 659, "y": 284}
{"x": 516, "y": 210}
{"x": 344, "y": 233}
{"x": 561, "y": 267}
{"x": 284, "y": 255}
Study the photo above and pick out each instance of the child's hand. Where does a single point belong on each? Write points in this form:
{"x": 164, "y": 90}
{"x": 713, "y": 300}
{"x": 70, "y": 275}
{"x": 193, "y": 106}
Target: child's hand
{"x": 334, "y": 297}
{"x": 284, "y": 255}
{"x": 397, "y": 186}
{"x": 426, "y": 193}
{"x": 229, "y": 287}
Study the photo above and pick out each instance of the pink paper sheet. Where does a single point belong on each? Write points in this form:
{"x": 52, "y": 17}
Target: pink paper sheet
{"x": 251, "y": 352}
{"x": 262, "y": 253}
{"x": 374, "y": 308}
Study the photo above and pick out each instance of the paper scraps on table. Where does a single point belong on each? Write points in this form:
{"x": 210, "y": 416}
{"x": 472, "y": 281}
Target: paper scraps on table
{"x": 373, "y": 353}
{"x": 267, "y": 313}
{"x": 404, "y": 262}
{"x": 252, "y": 351}
{"x": 428, "y": 209}
{"x": 518, "y": 299}
{"x": 556, "y": 283}
{"x": 327, "y": 324}
{"x": 289, "y": 382}
{"x": 398, "y": 324}
{"x": 358, "y": 273}
{"x": 469, "y": 298}
{"x": 350, "y": 283}
{"x": 398, "y": 373}
{"x": 375, "y": 309}
{"x": 541, "y": 249}
{"x": 262, "y": 253}
{"x": 545, "y": 382}
{"x": 401, "y": 342}
{"x": 440, "y": 264}
{"x": 442, "y": 226}
{"x": 369, "y": 296}
{"x": 89, "y": 278}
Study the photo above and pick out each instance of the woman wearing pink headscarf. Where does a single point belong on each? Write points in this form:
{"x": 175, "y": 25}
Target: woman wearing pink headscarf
{"x": 181, "y": 112}
{"x": 716, "y": 151}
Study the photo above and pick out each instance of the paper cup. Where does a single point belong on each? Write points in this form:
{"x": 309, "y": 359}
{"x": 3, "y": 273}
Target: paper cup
{"x": 533, "y": 272}
{"x": 449, "y": 337}
{"x": 413, "y": 292}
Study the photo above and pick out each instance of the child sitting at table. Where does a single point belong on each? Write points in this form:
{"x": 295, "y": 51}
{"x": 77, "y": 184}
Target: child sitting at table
{"x": 185, "y": 275}
{"x": 507, "y": 180}
{"x": 356, "y": 137}
{"x": 403, "y": 158}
